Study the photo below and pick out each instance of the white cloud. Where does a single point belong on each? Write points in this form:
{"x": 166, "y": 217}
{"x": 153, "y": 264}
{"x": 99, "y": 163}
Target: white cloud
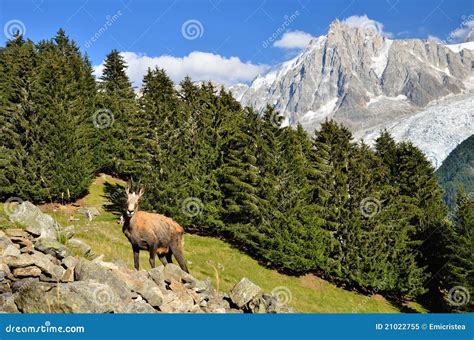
{"x": 435, "y": 38}
{"x": 364, "y": 22}
{"x": 294, "y": 40}
{"x": 200, "y": 66}
{"x": 461, "y": 33}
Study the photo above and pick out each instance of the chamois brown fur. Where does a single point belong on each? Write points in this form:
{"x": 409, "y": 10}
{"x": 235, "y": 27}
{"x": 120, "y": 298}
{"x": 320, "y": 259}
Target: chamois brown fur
{"x": 155, "y": 233}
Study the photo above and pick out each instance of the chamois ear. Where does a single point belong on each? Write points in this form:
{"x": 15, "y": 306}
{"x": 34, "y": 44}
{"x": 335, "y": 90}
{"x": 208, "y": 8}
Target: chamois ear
{"x": 141, "y": 192}
{"x": 127, "y": 188}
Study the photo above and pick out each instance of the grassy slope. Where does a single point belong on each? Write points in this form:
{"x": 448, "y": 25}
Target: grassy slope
{"x": 209, "y": 256}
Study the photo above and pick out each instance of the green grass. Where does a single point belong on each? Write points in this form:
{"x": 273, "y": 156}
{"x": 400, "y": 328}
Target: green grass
{"x": 225, "y": 265}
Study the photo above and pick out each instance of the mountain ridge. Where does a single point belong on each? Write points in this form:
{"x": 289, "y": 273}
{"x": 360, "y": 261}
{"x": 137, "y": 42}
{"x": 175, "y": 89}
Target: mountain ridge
{"x": 364, "y": 80}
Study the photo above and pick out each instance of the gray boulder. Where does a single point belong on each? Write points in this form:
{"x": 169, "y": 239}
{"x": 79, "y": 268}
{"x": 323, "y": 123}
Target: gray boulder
{"x": 35, "y": 221}
{"x": 87, "y": 270}
{"x": 68, "y": 231}
{"x": 37, "y": 259}
{"x": 89, "y": 212}
{"x": 172, "y": 272}
{"x": 30, "y": 271}
{"x": 7, "y": 303}
{"x": 79, "y": 247}
{"x": 138, "y": 307}
{"x": 12, "y": 250}
{"x": 51, "y": 246}
{"x": 244, "y": 291}
{"x": 77, "y": 297}
{"x": 140, "y": 283}
{"x": 4, "y": 271}
{"x": 5, "y": 242}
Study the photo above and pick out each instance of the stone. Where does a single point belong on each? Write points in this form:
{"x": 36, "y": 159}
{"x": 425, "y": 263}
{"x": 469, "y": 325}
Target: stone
{"x": 4, "y": 271}
{"x": 138, "y": 307}
{"x": 77, "y": 297}
{"x": 26, "y": 246}
{"x": 70, "y": 261}
{"x": 7, "y": 303}
{"x": 68, "y": 231}
{"x": 51, "y": 246}
{"x": 79, "y": 247}
{"x": 30, "y": 271}
{"x": 156, "y": 274}
{"x": 4, "y": 243}
{"x": 89, "y": 212}
{"x": 141, "y": 284}
{"x": 40, "y": 260}
{"x": 87, "y": 270}
{"x": 195, "y": 309}
{"x": 153, "y": 296}
{"x": 182, "y": 304}
{"x": 108, "y": 265}
{"x": 35, "y": 221}
{"x": 68, "y": 275}
{"x": 203, "y": 286}
{"x": 243, "y": 292}
{"x": 15, "y": 232}
{"x": 172, "y": 272}
{"x": 11, "y": 250}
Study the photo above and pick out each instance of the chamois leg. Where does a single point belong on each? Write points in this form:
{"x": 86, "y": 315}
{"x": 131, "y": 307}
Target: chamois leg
{"x": 169, "y": 257}
{"x": 163, "y": 260}
{"x": 177, "y": 249}
{"x": 152, "y": 256}
{"x": 136, "y": 259}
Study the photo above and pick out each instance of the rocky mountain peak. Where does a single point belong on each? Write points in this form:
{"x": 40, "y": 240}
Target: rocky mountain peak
{"x": 361, "y": 78}
{"x": 470, "y": 36}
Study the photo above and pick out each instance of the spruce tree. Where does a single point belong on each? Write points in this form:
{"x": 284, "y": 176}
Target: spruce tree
{"x": 459, "y": 281}
{"x": 114, "y": 118}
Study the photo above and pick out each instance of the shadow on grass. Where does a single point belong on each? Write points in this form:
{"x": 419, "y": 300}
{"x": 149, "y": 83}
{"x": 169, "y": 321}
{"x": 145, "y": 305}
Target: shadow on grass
{"x": 115, "y": 194}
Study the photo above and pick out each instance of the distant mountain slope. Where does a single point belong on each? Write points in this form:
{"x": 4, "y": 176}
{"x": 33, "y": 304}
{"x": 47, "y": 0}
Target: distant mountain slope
{"x": 367, "y": 81}
{"x": 458, "y": 169}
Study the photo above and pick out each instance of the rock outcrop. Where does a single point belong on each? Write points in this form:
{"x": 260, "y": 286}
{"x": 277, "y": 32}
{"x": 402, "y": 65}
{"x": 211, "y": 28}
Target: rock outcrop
{"x": 38, "y": 274}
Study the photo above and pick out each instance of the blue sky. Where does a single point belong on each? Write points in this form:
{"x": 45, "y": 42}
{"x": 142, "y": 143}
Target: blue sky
{"x": 216, "y": 36}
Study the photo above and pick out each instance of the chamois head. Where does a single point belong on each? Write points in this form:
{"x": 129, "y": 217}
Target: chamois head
{"x": 132, "y": 200}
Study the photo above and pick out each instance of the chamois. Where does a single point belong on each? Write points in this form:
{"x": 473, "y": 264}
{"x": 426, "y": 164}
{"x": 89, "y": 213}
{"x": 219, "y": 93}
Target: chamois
{"x": 155, "y": 233}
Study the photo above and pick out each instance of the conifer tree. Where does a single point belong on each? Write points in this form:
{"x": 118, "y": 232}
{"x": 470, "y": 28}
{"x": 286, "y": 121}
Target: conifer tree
{"x": 61, "y": 94}
{"x": 47, "y": 113}
{"x": 114, "y": 120}
{"x": 17, "y": 67}
{"x": 459, "y": 271}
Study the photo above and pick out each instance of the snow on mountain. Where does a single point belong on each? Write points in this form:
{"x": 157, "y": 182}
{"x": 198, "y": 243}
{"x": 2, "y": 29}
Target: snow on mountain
{"x": 436, "y": 130}
{"x": 365, "y": 80}
{"x": 456, "y": 48}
